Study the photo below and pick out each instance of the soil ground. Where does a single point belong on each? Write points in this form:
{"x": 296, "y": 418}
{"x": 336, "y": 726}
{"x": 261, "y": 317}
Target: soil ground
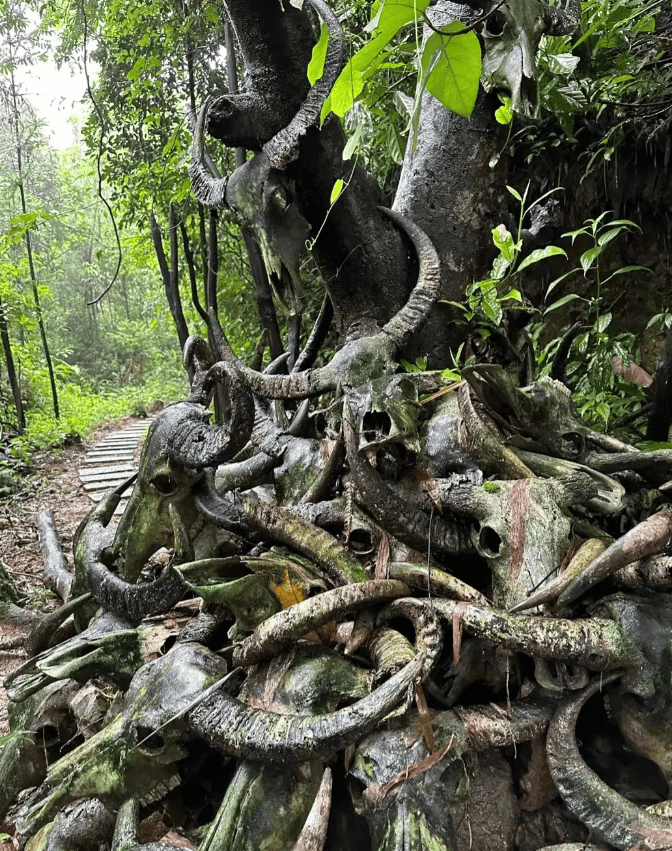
{"x": 52, "y": 483}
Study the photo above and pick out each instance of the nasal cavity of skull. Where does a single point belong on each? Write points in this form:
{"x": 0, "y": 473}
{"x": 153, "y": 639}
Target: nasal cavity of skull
{"x": 376, "y": 425}
{"x": 164, "y": 484}
{"x": 147, "y": 739}
{"x": 573, "y": 442}
{"x": 495, "y": 24}
{"x": 490, "y": 541}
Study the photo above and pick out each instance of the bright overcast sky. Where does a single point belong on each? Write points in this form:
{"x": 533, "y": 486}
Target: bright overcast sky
{"x": 56, "y": 95}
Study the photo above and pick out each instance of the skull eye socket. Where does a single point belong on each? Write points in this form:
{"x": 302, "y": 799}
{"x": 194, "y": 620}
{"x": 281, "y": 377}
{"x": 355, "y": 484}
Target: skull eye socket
{"x": 490, "y": 541}
{"x": 376, "y": 424}
{"x": 494, "y": 26}
{"x": 164, "y": 484}
{"x": 148, "y": 739}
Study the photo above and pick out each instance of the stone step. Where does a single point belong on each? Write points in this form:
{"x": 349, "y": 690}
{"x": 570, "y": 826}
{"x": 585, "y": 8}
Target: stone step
{"x": 107, "y": 457}
{"x": 88, "y": 472}
{"x": 103, "y": 485}
{"x": 130, "y": 443}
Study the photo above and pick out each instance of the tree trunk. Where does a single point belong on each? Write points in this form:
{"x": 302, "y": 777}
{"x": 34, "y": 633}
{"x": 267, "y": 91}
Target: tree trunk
{"x": 11, "y": 370}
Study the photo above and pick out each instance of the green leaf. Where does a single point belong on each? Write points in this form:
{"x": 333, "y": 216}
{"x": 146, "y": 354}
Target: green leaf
{"x": 541, "y": 254}
{"x": 603, "y": 323}
{"x": 504, "y": 242}
{"x": 606, "y": 237}
{"x": 352, "y": 142}
{"x": 396, "y": 13}
{"x": 561, "y": 302}
{"x": 137, "y": 68}
{"x": 350, "y": 81}
{"x": 515, "y": 295}
{"x": 587, "y": 257}
{"x": 338, "y": 187}
{"x": 316, "y": 64}
{"x": 558, "y": 281}
{"x": 504, "y": 114}
{"x": 500, "y": 267}
{"x": 562, "y": 63}
{"x": 396, "y": 145}
{"x": 515, "y": 193}
{"x": 625, "y": 269}
{"x": 454, "y": 62}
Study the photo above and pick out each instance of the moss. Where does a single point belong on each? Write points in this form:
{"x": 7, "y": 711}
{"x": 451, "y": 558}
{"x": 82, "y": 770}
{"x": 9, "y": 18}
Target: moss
{"x": 490, "y": 487}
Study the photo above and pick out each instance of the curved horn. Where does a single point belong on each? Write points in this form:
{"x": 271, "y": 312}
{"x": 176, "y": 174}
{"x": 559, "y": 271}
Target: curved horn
{"x": 646, "y": 539}
{"x": 436, "y": 581}
{"x": 282, "y": 629}
{"x": 196, "y": 444}
{"x": 584, "y": 556}
{"x": 597, "y": 644}
{"x": 314, "y": 832}
{"x": 126, "y": 599}
{"x": 608, "y": 815}
{"x": 414, "y": 313}
{"x": 562, "y": 21}
{"x": 210, "y": 191}
{"x": 232, "y": 727}
{"x": 197, "y": 355}
{"x": 317, "y": 336}
{"x": 283, "y": 148}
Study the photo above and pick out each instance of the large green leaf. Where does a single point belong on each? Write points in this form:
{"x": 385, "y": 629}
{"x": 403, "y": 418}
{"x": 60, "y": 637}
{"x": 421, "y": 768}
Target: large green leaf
{"x": 316, "y": 64}
{"x": 454, "y": 57}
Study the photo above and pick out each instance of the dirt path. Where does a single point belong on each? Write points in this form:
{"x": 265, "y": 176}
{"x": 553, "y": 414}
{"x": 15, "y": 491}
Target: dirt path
{"x": 55, "y": 484}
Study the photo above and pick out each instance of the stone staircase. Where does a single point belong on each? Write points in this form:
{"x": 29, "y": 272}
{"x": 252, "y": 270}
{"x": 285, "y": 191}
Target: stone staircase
{"x": 111, "y": 462}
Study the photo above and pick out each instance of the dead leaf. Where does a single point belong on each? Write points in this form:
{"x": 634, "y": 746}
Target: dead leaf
{"x": 425, "y": 719}
{"x": 458, "y": 626}
{"x": 382, "y": 558}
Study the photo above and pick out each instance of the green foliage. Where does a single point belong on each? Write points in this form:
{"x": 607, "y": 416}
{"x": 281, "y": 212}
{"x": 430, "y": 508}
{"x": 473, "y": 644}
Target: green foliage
{"x": 449, "y": 65}
{"x": 608, "y": 79}
{"x": 488, "y": 299}
{"x": 600, "y": 395}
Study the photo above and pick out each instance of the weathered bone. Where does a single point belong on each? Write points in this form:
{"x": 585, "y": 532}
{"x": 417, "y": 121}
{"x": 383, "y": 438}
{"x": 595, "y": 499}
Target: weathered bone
{"x": 314, "y": 832}
{"x": 409, "y": 525}
{"x": 282, "y": 149}
{"x": 126, "y": 835}
{"x": 426, "y": 624}
{"x": 86, "y": 824}
{"x": 108, "y": 646}
{"x": 408, "y": 794}
{"x": 23, "y": 761}
{"x": 436, "y": 581}
{"x": 523, "y": 531}
{"x": 609, "y": 816}
{"x": 137, "y": 752}
{"x": 195, "y": 444}
{"x": 584, "y": 556}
